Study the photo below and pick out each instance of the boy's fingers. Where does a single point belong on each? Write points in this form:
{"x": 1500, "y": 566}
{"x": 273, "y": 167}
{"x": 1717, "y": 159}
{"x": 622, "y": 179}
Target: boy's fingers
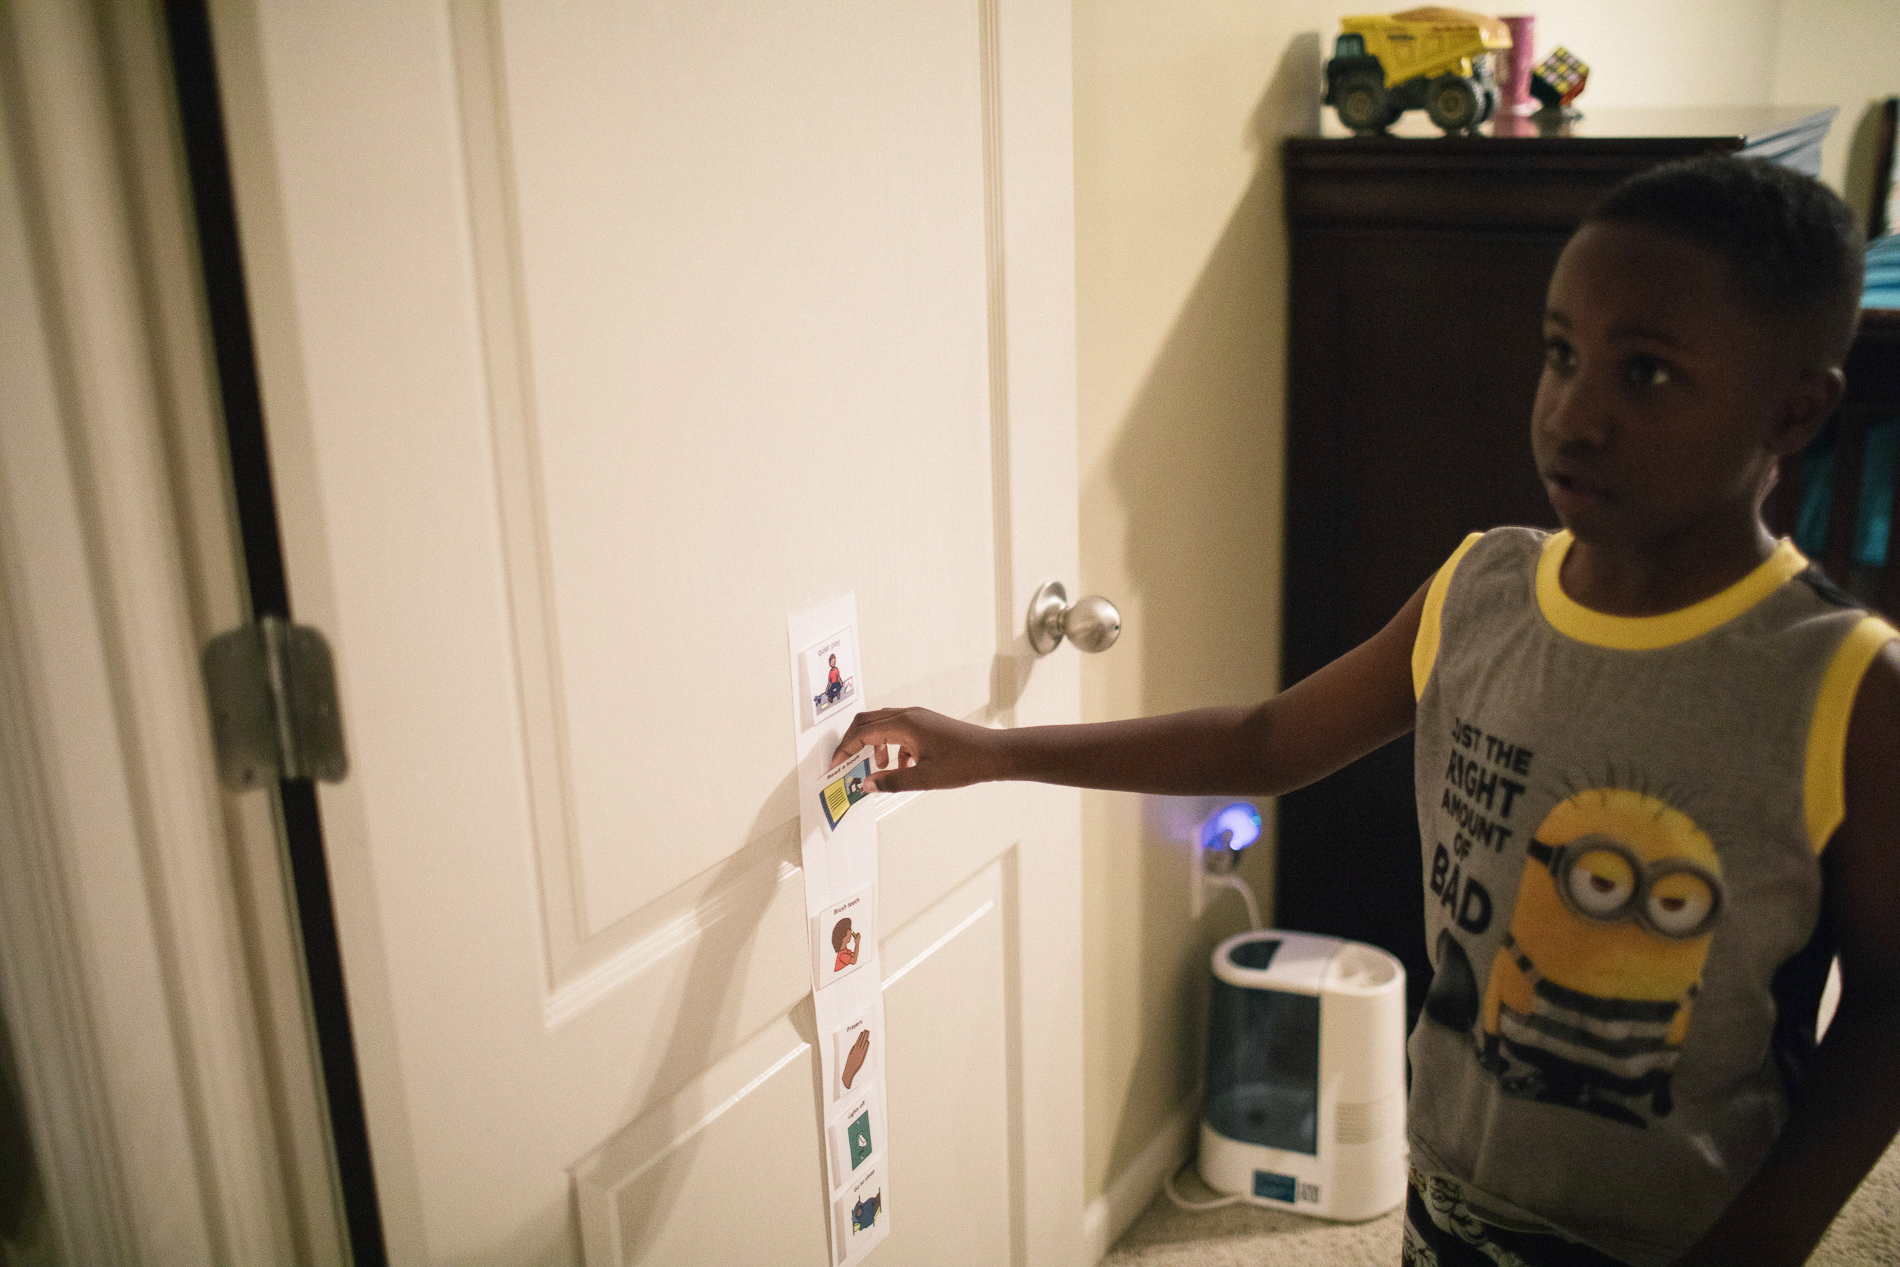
{"x": 854, "y": 739}
{"x": 874, "y": 735}
{"x": 895, "y": 781}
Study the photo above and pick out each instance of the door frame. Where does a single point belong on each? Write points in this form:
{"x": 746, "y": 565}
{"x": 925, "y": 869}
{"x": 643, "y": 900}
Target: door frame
{"x": 150, "y": 961}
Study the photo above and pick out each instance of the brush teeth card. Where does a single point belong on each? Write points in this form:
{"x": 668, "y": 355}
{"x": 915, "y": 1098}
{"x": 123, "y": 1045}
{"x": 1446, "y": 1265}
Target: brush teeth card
{"x": 831, "y": 675}
{"x": 840, "y": 933}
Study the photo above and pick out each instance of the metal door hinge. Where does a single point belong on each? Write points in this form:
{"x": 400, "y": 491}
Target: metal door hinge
{"x": 273, "y": 705}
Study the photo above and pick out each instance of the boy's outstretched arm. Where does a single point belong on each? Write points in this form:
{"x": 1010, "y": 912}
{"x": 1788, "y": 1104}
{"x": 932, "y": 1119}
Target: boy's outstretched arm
{"x": 1355, "y": 704}
{"x": 1847, "y": 1110}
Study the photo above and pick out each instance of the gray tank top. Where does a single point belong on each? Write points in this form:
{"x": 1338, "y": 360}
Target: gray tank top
{"x": 1622, "y": 819}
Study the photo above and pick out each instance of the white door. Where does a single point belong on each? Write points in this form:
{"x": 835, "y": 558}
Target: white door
{"x": 596, "y": 338}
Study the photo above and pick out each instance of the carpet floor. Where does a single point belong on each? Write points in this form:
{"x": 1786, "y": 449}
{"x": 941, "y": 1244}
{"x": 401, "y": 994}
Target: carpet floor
{"x": 1866, "y": 1233}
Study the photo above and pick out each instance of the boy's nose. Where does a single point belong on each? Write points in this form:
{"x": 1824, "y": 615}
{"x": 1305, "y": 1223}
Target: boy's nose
{"x": 1571, "y": 413}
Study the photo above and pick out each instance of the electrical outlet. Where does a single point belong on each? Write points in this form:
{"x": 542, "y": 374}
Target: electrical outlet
{"x": 1234, "y": 826}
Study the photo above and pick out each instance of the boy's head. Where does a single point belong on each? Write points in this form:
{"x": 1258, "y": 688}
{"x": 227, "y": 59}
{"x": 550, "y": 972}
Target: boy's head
{"x": 1694, "y": 330}
{"x": 1794, "y": 249}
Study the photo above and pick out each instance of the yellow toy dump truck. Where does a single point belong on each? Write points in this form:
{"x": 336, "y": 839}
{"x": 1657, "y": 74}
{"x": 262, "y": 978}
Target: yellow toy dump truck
{"x": 1434, "y": 58}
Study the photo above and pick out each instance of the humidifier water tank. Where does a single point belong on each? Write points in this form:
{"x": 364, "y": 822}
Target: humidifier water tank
{"x": 1305, "y": 1104}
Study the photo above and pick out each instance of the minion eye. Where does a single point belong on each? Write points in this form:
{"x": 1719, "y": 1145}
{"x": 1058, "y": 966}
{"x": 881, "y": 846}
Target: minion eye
{"x": 1601, "y": 883}
{"x": 1679, "y": 904}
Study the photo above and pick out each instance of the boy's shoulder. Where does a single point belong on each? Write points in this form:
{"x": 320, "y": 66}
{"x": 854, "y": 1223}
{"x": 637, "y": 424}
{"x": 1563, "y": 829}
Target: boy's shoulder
{"x": 1504, "y": 539}
{"x": 1504, "y": 549}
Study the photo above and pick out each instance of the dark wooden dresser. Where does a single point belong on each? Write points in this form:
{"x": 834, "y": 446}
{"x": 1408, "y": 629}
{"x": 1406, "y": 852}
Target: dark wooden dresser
{"x": 1418, "y": 267}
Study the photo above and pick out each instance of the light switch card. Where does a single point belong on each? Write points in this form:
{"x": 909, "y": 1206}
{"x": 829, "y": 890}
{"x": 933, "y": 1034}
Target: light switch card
{"x": 856, "y": 1134}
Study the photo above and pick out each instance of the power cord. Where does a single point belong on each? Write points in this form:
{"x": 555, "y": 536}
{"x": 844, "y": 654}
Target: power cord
{"x": 1186, "y": 1204}
{"x": 1239, "y": 886}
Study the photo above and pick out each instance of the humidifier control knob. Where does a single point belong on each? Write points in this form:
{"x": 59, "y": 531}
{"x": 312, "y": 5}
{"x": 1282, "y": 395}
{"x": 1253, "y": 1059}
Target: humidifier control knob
{"x": 1091, "y": 623}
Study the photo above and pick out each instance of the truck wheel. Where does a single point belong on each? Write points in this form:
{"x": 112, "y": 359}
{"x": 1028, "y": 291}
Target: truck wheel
{"x": 1361, "y": 101}
{"x": 1490, "y": 106}
{"x": 1452, "y": 103}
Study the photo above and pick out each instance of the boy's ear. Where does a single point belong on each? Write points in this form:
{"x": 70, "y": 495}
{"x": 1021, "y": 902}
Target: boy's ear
{"x": 1810, "y": 402}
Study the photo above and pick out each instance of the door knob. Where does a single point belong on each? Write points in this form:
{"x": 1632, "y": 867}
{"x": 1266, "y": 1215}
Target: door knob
{"x": 1091, "y": 623}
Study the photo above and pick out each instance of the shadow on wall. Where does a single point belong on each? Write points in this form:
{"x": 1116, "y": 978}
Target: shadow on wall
{"x": 26, "y": 1232}
{"x": 1198, "y": 469}
{"x": 1863, "y": 162}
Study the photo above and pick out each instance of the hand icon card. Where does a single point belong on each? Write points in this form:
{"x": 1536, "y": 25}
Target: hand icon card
{"x": 839, "y": 936}
{"x": 854, "y": 1055}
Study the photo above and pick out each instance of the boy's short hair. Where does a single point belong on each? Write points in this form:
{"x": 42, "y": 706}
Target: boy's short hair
{"x": 1796, "y": 250}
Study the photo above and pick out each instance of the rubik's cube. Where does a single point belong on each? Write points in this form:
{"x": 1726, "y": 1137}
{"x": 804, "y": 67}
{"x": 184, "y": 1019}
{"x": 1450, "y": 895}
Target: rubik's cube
{"x": 1558, "y": 79}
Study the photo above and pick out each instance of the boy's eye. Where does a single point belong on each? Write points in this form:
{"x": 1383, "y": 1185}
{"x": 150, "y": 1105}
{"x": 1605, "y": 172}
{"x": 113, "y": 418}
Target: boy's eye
{"x": 1559, "y": 355}
{"x": 1647, "y": 371}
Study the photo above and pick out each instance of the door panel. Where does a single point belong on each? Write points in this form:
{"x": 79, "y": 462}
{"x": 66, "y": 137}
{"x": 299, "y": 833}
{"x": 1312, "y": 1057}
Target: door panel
{"x": 663, "y": 1191}
{"x": 595, "y": 339}
{"x": 951, "y": 1109}
{"x": 760, "y": 232}
{"x": 660, "y": 1191}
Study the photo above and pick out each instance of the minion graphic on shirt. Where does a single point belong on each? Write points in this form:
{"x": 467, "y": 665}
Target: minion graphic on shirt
{"x": 1590, "y": 995}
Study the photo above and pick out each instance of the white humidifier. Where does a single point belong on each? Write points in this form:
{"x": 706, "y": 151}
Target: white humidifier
{"x": 1305, "y": 1104}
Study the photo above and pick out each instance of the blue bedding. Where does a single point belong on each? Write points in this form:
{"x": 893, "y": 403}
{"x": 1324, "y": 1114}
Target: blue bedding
{"x": 1882, "y": 287}
{"x": 1882, "y": 290}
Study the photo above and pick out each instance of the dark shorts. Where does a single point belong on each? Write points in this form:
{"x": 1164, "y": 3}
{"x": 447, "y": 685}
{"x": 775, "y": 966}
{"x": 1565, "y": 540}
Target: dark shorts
{"x": 1441, "y": 1231}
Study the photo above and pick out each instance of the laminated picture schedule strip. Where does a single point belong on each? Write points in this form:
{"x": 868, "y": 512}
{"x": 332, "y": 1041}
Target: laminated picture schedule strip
{"x": 839, "y": 849}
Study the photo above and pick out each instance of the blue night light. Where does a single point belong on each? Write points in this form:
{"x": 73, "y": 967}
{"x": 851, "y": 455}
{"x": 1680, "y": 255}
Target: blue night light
{"x": 1233, "y": 828}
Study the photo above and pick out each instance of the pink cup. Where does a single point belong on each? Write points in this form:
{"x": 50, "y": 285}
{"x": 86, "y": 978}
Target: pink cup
{"x": 1514, "y": 79}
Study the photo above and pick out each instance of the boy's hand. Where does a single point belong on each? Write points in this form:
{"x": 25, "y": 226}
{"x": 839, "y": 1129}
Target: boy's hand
{"x": 933, "y": 751}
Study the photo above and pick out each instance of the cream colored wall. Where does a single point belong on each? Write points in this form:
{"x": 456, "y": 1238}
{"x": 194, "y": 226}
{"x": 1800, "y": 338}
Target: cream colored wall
{"x": 1181, "y": 276}
{"x": 1843, "y": 52}
{"x": 1181, "y": 267}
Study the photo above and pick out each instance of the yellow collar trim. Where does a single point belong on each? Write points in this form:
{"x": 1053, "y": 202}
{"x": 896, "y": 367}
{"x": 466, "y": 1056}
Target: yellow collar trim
{"x": 1649, "y": 633}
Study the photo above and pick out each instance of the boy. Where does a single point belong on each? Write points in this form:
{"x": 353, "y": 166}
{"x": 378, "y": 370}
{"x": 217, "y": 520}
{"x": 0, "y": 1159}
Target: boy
{"x": 1660, "y": 744}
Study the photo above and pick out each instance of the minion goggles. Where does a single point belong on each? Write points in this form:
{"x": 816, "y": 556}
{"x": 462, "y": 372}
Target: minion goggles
{"x": 1602, "y": 880}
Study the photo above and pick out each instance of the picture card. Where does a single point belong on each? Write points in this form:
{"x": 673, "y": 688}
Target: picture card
{"x": 844, "y": 790}
{"x": 831, "y": 675}
{"x": 856, "y": 1053}
{"x": 844, "y": 935}
{"x": 861, "y": 1216}
{"x": 839, "y": 844}
{"x": 855, "y": 1136}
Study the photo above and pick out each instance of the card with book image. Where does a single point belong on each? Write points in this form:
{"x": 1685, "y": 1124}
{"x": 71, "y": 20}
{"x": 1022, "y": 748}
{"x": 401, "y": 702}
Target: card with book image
{"x": 843, "y": 788}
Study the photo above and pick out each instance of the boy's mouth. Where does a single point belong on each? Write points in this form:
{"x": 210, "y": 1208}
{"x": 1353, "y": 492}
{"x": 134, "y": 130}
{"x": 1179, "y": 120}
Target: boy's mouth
{"x": 1571, "y": 494}
{"x": 1576, "y": 487}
